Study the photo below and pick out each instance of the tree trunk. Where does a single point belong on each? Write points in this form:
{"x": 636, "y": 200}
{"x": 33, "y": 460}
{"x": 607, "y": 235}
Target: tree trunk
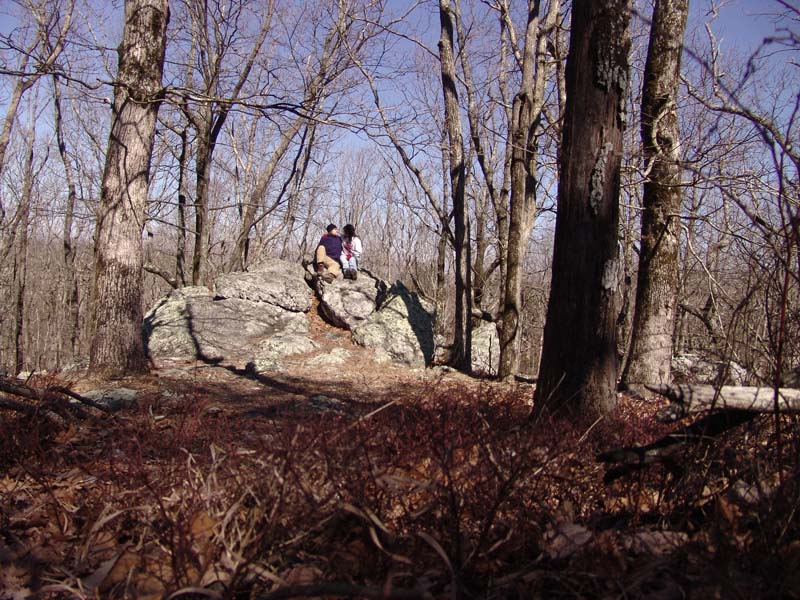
{"x": 117, "y": 345}
{"x": 650, "y": 356}
{"x": 462, "y": 338}
{"x": 71, "y": 326}
{"x": 579, "y": 354}
{"x": 205, "y": 151}
{"x": 525, "y": 116}
{"x": 687, "y": 399}
{"x": 180, "y": 251}
{"x": 20, "y": 273}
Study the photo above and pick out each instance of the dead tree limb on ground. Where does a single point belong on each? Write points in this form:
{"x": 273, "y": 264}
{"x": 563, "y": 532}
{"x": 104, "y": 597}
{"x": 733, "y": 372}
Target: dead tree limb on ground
{"x": 668, "y": 448}
{"x": 53, "y": 402}
{"x": 728, "y": 407}
{"x": 688, "y": 399}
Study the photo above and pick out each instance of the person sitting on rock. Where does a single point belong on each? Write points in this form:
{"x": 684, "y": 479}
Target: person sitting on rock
{"x": 351, "y": 252}
{"x": 328, "y": 254}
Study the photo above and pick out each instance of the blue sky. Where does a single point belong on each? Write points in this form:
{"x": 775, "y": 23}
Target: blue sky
{"x": 741, "y": 24}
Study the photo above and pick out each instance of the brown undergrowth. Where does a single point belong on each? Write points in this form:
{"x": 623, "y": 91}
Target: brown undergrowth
{"x": 443, "y": 488}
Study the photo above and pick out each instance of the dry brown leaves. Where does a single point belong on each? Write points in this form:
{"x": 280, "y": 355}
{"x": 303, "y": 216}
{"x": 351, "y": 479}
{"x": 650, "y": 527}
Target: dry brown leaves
{"x": 223, "y": 484}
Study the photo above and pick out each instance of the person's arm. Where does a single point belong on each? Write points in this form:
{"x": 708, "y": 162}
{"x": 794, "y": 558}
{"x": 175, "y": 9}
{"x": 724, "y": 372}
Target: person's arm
{"x": 357, "y": 247}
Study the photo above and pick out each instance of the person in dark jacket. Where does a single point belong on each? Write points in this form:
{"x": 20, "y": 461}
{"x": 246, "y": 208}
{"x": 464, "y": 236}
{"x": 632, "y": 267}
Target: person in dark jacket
{"x": 328, "y": 254}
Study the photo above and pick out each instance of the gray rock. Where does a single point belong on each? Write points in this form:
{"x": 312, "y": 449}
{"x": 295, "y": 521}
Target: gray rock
{"x": 326, "y": 403}
{"x": 334, "y": 358}
{"x": 347, "y": 303}
{"x": 275, "y": 282}
{"x": 113, "y": 400}
{"x": 485, "y": 349}
{"x": 691, "y": 368}
{"x": 402, "y": 327}
{"x": 281, "y": 345}
{"x": 190, "y": 323}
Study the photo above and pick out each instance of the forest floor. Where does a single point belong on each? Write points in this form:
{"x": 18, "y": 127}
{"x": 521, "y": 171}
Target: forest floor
{"x": 370, "y": 480}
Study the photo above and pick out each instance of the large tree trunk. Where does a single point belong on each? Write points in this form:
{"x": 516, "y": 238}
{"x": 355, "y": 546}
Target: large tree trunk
{"x": 117, "y": 345}
{"x": 525, "y": 116}
{"x": 462, "y": 338}
{"x": 579, "y": 354}
{"x": 656, "y": 292}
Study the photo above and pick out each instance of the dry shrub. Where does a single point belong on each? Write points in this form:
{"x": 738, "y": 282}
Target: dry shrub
{"x": 454, "y": 492}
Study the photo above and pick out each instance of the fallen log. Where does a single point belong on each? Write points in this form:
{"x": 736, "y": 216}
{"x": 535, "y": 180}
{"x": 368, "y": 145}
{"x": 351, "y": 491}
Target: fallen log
{"x": 687, "y": 399}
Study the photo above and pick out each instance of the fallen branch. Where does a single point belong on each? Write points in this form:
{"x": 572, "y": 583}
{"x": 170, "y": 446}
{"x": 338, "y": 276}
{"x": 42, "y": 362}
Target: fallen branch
{"x": 31, "y": 411}
{"x": 53, "y": 396}
{"x": 687, "y": 399}
{"x": 664, "y": 449}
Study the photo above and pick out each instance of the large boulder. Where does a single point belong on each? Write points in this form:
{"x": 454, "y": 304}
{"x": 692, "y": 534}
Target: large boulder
{"x": 485, "y": 349}
{"x": 346, "y": 303}
{"x": 275, "y": 282}
{"x": 402, "y": 327}
{"x": 257, "y": 317}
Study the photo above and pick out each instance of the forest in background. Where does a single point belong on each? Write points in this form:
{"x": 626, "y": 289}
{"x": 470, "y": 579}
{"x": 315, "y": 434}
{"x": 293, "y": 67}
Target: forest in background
{"x": 278, "y": 118}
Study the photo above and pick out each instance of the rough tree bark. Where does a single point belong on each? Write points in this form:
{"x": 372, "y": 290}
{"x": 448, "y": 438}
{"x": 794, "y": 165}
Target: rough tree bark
{"x": 462, "y": 339}
{"x": 117, "y": 345}
{"x": 579, "y": 354}
{"x": 650, "y": 354}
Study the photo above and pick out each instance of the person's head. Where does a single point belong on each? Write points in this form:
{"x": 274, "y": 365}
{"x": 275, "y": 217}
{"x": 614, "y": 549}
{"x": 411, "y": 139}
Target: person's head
{"x": 332, "y": 229}
{"x": 349, "y": 231}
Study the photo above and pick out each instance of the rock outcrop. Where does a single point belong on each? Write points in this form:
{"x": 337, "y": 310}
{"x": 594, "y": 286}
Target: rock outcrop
{"x": 251, "y": 317}
{"x": 347, "y": 303}
{"x": 275, "y": 282}
{"x": 256, "y": 318}
{"x": 402, "y": 327}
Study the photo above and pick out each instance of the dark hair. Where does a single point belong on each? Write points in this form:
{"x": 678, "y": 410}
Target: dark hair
{"x": 349, "y": 231}
{"x": 330, "y": 228}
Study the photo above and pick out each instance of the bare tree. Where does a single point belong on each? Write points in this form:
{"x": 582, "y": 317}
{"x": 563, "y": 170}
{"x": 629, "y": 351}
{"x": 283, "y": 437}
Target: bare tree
{"x": 342, "y": 41}
{"x": 68, "y": 243}
{"x": 579, "y": 354}
{"x": 462, "y": 340}
{"x": 21, "y": 242}
{"x": 525, "y": 120}
{"x": 650, "y": 355}
{"x": 117, "y": 344}
{"x": 42, "y": 51}
{"x": 208, "y": 105}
